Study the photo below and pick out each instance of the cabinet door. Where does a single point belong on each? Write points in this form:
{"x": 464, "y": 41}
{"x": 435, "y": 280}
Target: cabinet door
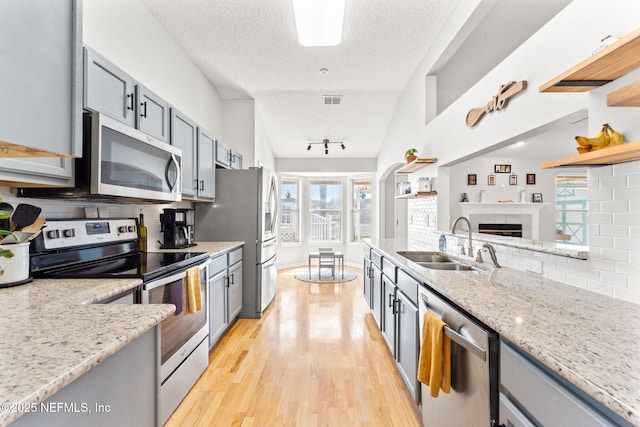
{"x": 377, "y": 300}
{"x": 389, "y": 313}
{"x": 183, "y": 136}
{"x": 236, "y": 160}
{"x": 41, "y": 74}
{"x": 217, "y": 307}
{"x": 108, "y": 89}
{"x": 223, "y": 155}
{"x": 152, "y": 115}
{"x": 234, "y": 283}
{"x": 206, "y": 167}
{"x": 408, "y": 346}
{"x": 41, "y": 171}
{"x": 367, "y": 281}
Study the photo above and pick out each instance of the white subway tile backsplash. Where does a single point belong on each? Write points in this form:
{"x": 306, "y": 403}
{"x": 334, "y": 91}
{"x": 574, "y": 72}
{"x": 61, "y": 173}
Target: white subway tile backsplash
{"x": 626, "y": 193}
{"x": 614, "y": 230}
{"x": 634, "y": 257}
{"x": 626, "y": 244}
{"x": 601, "y": 195}
{"x": 631, "y": 295}
{"x": 630, "y": 270}
{"x": 613, "y": 279}
{"x": 614, "y": 206}
{"x": 628, "y": 168}
{"x": 600, "y": 171}
{"x": 555, "y": 275}
{"x": 600, "y": 287}
{"x": 601, "y": 241}
{"x": 615, "y": 182}
{"x": 634, "y": 181}
{"x": 613, "y": 255}
{"x": 600, "y": 218}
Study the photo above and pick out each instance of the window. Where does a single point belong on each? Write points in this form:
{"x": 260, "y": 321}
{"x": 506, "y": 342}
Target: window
{"x": 571, "y": 209}
{"x": 361, "y": 209}
{"x": 290, "y": 208}
{"x": 325, "y": 210}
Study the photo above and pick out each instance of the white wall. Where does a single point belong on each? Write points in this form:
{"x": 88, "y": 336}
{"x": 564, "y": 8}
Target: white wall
{"x": 263, "y": 150}
{"x": 239, "y": 131}
{"x": 546, "y": 54}
{"x": 124, "y": 32}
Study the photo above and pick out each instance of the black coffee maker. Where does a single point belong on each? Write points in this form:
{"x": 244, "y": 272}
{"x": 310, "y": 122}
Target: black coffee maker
{"x": 177, "y": 226}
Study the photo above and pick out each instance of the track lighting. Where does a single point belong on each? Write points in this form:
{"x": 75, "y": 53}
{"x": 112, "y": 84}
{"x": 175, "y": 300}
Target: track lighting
{"x": 325, "y": 143}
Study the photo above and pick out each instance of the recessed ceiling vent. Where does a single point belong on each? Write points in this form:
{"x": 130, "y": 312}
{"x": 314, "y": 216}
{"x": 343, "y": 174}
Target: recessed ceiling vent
{"x": 332, "y": 99}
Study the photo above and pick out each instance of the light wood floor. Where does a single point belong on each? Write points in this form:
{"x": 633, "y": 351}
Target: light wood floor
{"x": 316, "y": 358}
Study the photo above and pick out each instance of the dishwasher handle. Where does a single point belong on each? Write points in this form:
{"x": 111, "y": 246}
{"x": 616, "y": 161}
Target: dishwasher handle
{"x": 459, "y": 339}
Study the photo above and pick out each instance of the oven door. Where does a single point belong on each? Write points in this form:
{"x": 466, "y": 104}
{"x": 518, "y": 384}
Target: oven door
{"x": 128, "y": 163}
{"x": 180, "y": 333}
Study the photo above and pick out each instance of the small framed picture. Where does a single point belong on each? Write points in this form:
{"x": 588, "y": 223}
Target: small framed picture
{"x": 513, "y": 179}
{"x": 536, "y": 197}
{"x": 491, "y": 179}
{"x": 531, "y": 179}
{"x": 502, "y": 168}
{"x": 472, "y": 179}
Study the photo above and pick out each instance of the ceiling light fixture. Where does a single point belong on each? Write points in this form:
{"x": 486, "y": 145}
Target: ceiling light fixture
{"x": 324, "y": 71}
{"x": 325, "y": 143}
{"x": 319, "y": 22}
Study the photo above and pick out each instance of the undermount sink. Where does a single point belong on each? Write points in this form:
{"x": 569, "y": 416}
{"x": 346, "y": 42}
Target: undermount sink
{"x": 426, "y": 257}
{"x": 445, "y": 266}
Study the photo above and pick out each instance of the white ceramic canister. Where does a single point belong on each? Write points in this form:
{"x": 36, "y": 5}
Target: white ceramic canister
{"x": 16, "y": 268}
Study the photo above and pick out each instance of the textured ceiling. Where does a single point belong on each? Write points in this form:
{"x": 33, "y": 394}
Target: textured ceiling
{"x": 248, "y": 49}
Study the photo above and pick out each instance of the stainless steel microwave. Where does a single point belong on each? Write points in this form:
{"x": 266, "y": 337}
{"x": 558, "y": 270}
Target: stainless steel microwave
{"x": 120, "y": 162}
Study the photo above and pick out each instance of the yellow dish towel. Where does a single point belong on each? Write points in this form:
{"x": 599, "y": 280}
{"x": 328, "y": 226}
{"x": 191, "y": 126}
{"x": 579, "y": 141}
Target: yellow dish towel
{"x": 434, "y": 364}
{"x": 193, "y": 302}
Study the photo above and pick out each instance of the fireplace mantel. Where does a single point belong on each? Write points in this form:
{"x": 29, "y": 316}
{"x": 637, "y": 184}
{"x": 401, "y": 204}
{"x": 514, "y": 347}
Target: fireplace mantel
{"x": 509, "y": 208}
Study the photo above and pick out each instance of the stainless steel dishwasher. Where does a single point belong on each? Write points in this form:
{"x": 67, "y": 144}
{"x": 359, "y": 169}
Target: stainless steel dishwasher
{"x": 473, "y": 399}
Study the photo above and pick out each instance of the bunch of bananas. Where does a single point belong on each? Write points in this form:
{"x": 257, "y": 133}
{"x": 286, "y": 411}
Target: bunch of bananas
{"x": 607, "y": 137}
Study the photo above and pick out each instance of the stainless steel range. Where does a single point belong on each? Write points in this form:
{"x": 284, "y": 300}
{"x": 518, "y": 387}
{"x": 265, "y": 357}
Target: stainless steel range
{"x": 107, "y": 248}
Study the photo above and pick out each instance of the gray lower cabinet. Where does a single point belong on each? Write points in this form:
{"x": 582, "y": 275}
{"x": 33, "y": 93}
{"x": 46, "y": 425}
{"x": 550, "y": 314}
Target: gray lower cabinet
{"x": 407, "y": 334}
{"x": 41, "y": 74}
{"x": 217, "y": 298}
{"x": 225, "y": 292}
{"x": 396, "y": 310}
{"x": 123, "y": 390}
{"x": 531, "y": 395}
{"x": 111, "y": 91}
{"x": 234, "y": 282}
{"x": 366, "y": 281}
{"x": 46, "y": 171}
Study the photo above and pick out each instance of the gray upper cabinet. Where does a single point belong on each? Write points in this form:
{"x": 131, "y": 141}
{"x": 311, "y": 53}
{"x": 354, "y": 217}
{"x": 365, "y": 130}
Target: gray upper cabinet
{"x": 236, "y": 160}
{"x": 108, "y": 89}
{"x": 152, "y": 115}
{"x": 223, "y": 153}
{"x": 227, "y": 158}
{"x": 184, "y": 136}
{"x": 206, "y": 168}
{"x": 47, "y": 171}
{"x": 111, "y": 91}
{"x": 41, "y": 74}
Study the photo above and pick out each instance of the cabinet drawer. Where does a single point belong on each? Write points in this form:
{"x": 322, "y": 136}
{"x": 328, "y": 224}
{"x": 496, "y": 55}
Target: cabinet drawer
{"x": 235, "y": 256}
{"x": 217, "y": 265}
{"x": 367, "y": 251}
{"x": 389, "y": 269}
{"x": 408, "y": 285}
{"x": 544, "y": 397}
{"x": 376, "y": 259}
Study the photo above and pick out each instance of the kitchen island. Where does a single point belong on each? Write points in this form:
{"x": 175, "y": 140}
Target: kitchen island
{"x": 588, "y": 339}
{"x": 52, "y": 332}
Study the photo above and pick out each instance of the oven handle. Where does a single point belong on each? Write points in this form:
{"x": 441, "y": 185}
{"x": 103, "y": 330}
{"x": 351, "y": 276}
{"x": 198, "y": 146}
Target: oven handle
{"x": 459, "y": 339}
{"x": 163, "y": 281}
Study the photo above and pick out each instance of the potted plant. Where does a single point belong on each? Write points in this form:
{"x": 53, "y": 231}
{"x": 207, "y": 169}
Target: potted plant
{"x": 410, "y": 155}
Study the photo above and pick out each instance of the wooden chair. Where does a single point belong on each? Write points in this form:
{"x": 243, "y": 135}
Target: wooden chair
{"x": 327, "y": 260}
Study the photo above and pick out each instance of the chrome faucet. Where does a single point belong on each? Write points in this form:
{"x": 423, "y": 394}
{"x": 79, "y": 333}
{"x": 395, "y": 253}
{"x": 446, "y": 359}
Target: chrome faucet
{"x": 492, "y": 253}
{"x": 453, "y": 231}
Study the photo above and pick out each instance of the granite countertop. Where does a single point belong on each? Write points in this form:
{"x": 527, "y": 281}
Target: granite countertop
{"x": 591, "y": 340}
{"x": 51, "y": 333}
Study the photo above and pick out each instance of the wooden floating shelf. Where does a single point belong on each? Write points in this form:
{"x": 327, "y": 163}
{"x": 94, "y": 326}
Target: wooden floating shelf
{"x": 417, "y": 164}
{"x": 607, "y": 156}
{"x": 606, "y": 65}
{"x": 627, "y": 96}
{"x": 417, "y": 195}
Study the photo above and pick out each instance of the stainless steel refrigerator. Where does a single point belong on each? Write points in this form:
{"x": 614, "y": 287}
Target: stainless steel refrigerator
{"x": 246, "y": 210}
